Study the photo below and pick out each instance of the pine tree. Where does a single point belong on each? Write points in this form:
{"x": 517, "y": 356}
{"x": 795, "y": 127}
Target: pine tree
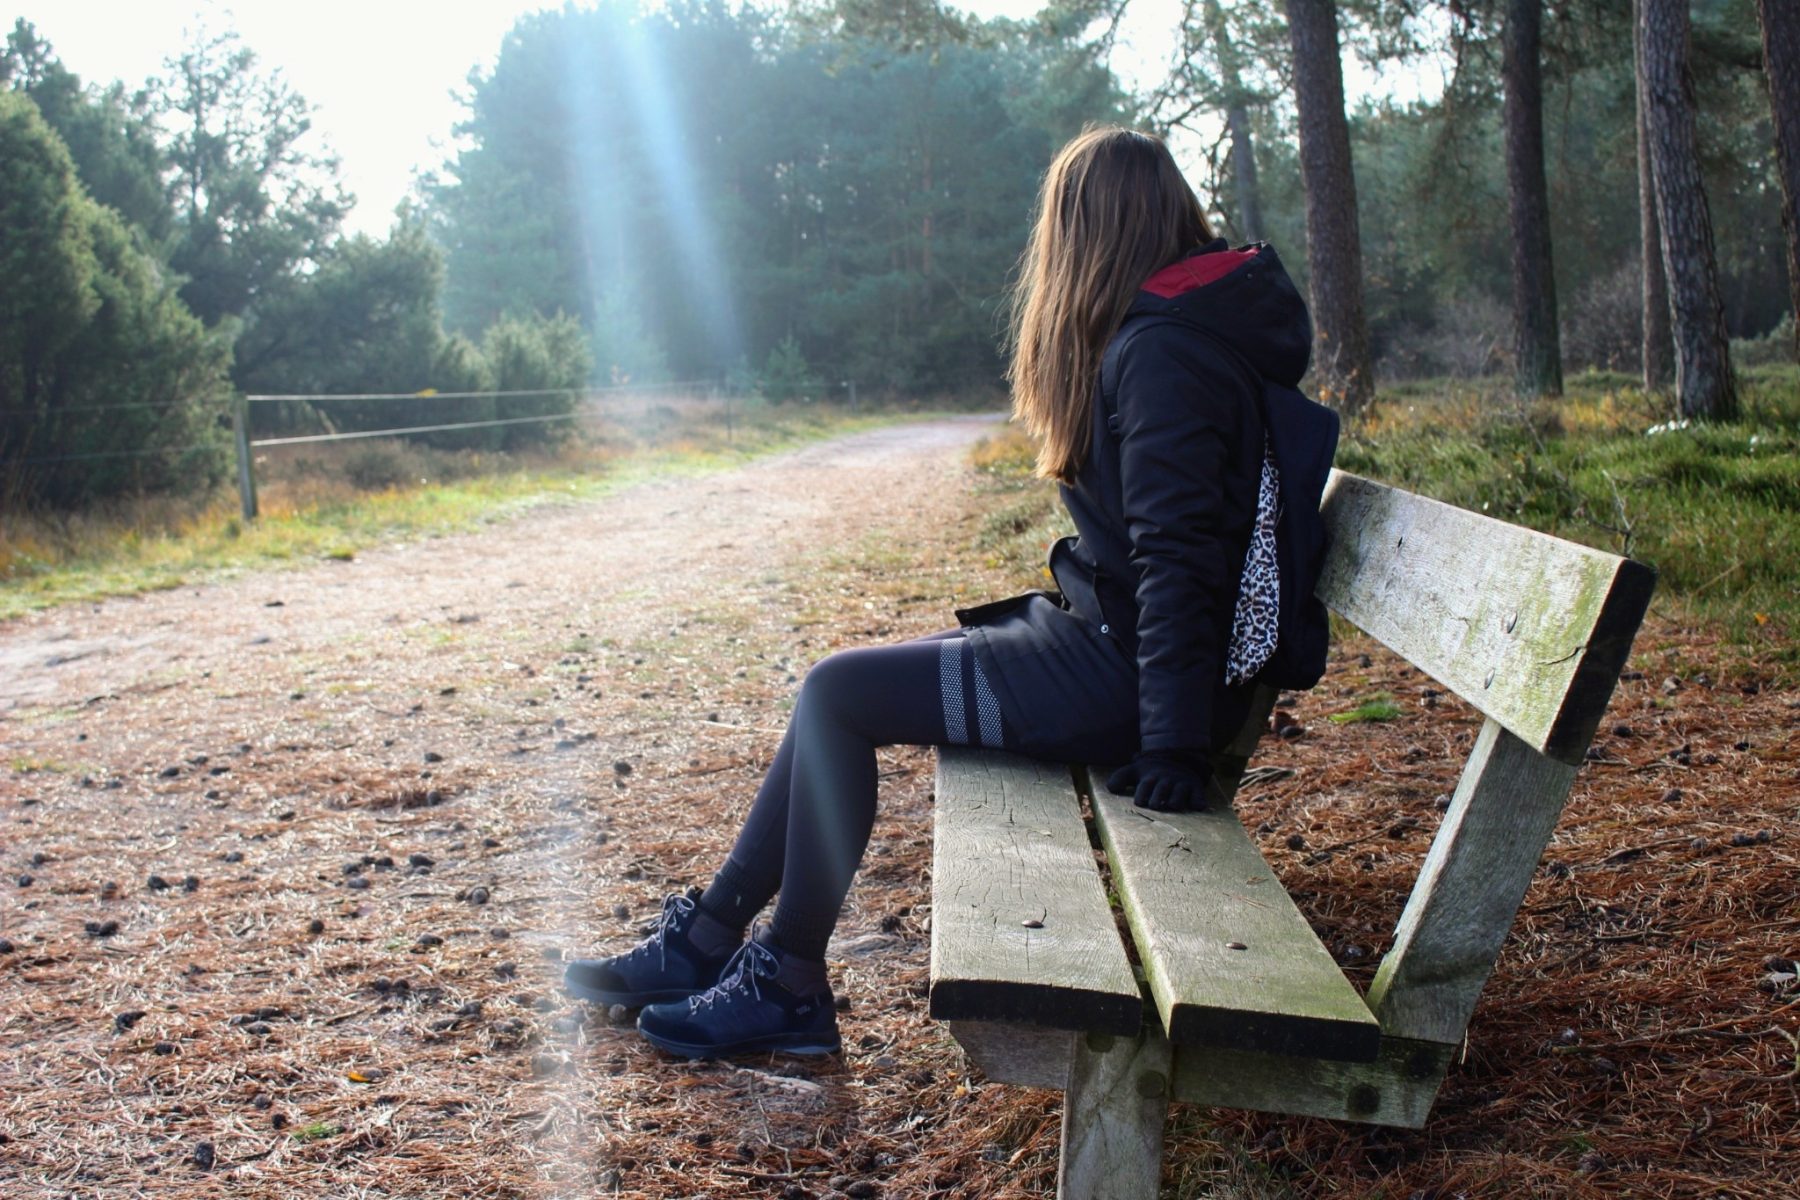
{"x": 1780, "y": 21}
{"x": 1537, "y": 350}
{"x": 1333, "y": 241}
{"x": 1657, "y": 345}
{"x": 1704, "y": 384}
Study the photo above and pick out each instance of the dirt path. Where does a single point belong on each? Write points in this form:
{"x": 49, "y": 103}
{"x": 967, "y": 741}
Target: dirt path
{"x": 615, "y": 561}
{"x": 373, "y": 801}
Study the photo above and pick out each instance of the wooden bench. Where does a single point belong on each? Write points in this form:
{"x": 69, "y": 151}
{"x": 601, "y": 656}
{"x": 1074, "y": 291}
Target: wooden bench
{"x": 1236, "y": 1003}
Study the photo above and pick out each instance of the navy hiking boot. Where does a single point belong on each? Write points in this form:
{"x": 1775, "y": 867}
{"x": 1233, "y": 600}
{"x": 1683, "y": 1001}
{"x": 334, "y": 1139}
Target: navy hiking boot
{"x": 750, "y": 1009}
{"x": 667, "y": 965}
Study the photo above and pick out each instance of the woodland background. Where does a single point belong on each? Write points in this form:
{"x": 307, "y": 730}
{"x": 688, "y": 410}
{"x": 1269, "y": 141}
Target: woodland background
{"x": 794, "y": 200}
{"x": 648, "y": 206}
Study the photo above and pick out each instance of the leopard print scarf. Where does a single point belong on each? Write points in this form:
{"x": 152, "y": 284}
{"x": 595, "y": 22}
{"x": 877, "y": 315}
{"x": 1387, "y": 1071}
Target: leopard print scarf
{"x": 1253, "y": 625}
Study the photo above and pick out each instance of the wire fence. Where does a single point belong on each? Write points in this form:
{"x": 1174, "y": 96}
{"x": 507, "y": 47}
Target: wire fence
{"x": 239, "y": 411}
{"x": 688, "y": 389}
{"x": 692, "y": 385}
{"x": 411, "y": 429}
{"x": 587, "y": 403}
{"x": 118, "y": 407}
{"x": 587, "y": 400}
{"x": 685, "y": 389}
{"x": 575, "y": 395}
{"x": 153, "y": 452}
{"x": 237, "y": 408}
{"x": 583, "y": 397}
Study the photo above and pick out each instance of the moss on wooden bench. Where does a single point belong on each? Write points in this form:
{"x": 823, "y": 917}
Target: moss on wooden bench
{"x": 1248, "y": 1009}
{"x": 1020, "y": 925}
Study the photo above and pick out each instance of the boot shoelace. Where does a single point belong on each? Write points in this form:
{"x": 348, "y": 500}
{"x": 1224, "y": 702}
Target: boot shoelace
{"x": 753, "y": 960}
{"x": 675, "y": 907}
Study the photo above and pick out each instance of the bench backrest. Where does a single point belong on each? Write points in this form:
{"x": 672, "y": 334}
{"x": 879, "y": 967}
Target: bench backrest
{"x": 1530, "y": 629}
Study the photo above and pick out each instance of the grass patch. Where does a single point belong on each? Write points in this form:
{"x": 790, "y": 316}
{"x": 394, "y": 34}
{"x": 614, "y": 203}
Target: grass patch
{"x": 331, "y": 502}
{"x": 1715, "y": 508}
{"x": 1022, "y": 514}
{"x": 1380, "y": 707}
{"x": 317, "y": 1131}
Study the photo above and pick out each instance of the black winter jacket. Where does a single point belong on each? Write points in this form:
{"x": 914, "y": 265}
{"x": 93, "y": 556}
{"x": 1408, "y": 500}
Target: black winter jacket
{"x": 1165, "y": 500}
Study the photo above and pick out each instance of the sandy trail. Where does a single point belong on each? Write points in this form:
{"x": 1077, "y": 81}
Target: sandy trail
{"x": 565, "y": 712}
{"x": 615, "y": 560}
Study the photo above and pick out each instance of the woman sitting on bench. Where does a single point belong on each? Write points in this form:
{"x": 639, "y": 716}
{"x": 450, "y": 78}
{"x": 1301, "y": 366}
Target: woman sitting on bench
{"x": 1158, "y": 444}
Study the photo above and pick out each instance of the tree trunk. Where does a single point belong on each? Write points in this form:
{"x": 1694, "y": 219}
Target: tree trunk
{"x": 1658, "y": 351}
{"x": 1243, "y": 172}
{"x": 1781, "y": 63}
{"x": 925, "y": 223}
{"x": 1537, "y": 348}
{"x": 1704, "y": 385}
{"x": 1333, "y": 242}
{"x": 1237, "y": 122}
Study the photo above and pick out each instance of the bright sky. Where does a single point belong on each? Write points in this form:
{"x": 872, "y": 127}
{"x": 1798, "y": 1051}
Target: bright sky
{"x": 382, "y": 73}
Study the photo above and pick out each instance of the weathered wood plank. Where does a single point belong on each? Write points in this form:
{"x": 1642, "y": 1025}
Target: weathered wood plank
{"x": 1396, "y": 1089}
{"x": 1028, "y": 1055}
{"x": 1230, "y": 960}
{"x": 1114, "y": 1110}
{"x": 1470, "y": 888}
{"x": 1020, "y": 926}
{"x": 1530, "y": 629}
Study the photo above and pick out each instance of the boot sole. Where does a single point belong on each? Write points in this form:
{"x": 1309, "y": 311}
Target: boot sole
{"x": 809, "y": 1045}
{"x": 628, "y": 999}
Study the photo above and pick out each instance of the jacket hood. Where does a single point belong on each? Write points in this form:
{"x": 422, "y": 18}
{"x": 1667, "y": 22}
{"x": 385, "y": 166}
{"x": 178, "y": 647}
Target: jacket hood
{"x": 1244, "y": 297}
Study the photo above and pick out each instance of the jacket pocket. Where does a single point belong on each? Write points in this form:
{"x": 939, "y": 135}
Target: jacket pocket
{"x": 1082, "y": 585}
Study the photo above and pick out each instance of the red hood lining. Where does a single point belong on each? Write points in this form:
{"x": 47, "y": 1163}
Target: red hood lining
{"x": 1196, "y": 272}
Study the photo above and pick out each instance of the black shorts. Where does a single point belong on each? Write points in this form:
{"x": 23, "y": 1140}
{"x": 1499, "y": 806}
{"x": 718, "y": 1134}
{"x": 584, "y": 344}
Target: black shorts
{"x": 1067, "y": 691}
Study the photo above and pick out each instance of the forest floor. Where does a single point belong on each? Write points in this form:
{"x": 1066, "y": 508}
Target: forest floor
{"x": 291, "y": 862}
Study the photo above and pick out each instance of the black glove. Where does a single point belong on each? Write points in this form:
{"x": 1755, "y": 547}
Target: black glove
{"x": 1166, "y": 780}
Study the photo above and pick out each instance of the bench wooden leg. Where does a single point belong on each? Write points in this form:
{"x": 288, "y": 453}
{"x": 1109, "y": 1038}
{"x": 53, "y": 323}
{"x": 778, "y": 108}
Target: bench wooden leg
{"x": 1114, "y": 1108}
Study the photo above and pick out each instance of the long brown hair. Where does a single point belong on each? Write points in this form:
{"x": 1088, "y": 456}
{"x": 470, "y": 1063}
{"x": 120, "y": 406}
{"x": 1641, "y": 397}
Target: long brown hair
{"x": 1114, "y": 210}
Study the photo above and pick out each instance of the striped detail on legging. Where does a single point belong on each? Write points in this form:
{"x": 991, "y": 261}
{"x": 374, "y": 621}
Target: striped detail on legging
{"x": 952, "y": 652}
{"x": 956, "y": 725}
{"x": 987, "y": 709}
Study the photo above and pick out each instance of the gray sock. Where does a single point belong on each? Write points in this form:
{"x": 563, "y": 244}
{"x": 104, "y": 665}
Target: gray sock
{"x": 713, "y": 937}
{"x": 801, "y": 976}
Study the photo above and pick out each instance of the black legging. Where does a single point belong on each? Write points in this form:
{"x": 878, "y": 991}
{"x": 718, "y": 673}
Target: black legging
{"x": 810, "y": 822}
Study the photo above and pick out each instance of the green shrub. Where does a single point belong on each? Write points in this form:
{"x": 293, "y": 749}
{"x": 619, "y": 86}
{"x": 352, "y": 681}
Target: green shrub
{"x": 786, "y": 376}
{"x": 536, "y": 353}
{"x": 1772, "y": 348}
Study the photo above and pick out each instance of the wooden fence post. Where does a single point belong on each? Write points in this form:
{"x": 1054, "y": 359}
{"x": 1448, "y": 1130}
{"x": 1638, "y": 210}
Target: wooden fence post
{"x": 240, "y": 429}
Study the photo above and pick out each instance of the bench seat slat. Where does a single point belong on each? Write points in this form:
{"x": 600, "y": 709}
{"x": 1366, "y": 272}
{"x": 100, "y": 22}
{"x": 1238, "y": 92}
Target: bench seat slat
{"x": 1020, "y": 926}
{"x": 1193, "y": 885}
